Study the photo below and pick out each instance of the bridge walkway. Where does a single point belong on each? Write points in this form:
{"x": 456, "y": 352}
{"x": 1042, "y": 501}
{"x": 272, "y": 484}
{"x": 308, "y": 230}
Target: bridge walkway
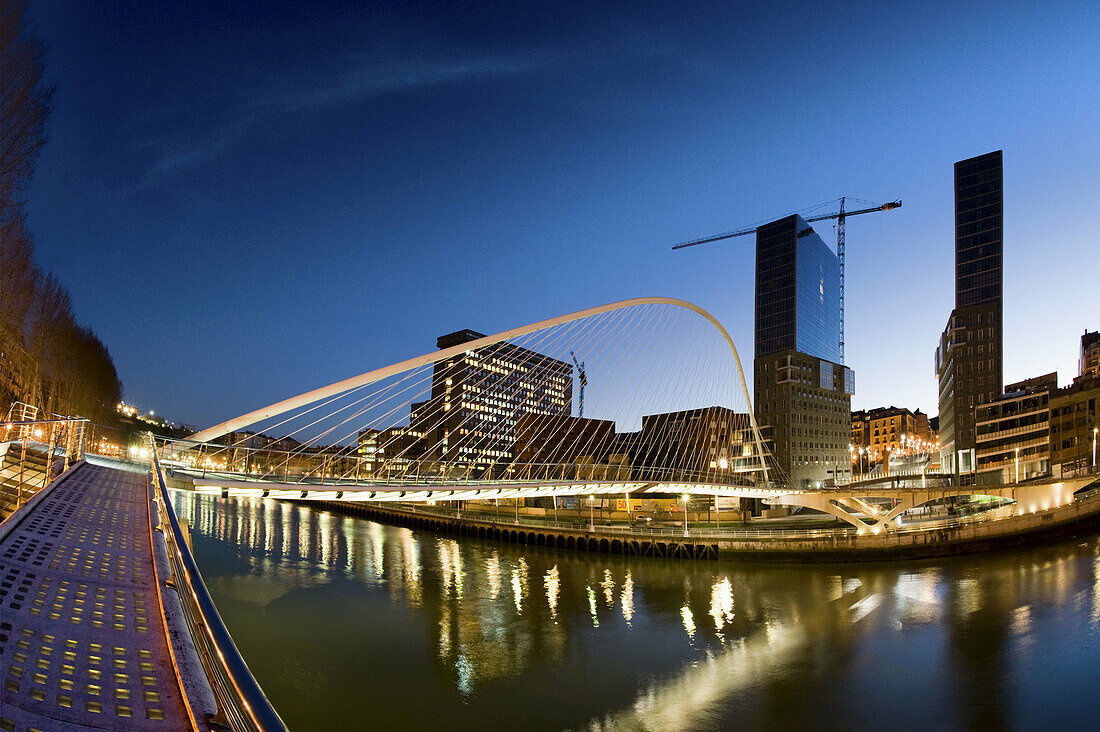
{"x": 83, "y": 642}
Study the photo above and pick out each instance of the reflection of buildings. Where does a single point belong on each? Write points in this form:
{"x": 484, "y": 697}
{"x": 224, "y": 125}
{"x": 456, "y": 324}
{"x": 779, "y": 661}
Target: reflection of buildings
{"x": 968, "y": 360}
{"x": 535, "y": 617}
{"x": 478, "y": 395}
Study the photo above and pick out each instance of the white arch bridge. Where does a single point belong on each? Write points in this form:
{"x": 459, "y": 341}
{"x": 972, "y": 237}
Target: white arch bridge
{"x": 667, "y": 412}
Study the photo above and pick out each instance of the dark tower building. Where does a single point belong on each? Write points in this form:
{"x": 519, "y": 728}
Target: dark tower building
{"x": 969, "y": 357}
{"x": 802, "y": 390}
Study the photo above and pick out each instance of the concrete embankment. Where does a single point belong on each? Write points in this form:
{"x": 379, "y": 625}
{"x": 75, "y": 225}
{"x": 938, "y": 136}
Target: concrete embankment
{"x": 1077, "y": 518}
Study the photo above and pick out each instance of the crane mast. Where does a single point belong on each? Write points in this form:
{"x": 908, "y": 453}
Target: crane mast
{"x": 584, "y": 383}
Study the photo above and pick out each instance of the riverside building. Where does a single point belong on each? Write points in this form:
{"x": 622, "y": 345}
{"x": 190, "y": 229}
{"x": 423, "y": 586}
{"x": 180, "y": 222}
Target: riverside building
{"x": 478, "y": 396}
{"x": 802, "y": 390}
{"x": 1013, "y": 432}
{"x": 968, "y": 360}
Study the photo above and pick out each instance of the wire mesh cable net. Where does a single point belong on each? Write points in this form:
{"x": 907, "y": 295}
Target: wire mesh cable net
{"x": 663, "y": 394}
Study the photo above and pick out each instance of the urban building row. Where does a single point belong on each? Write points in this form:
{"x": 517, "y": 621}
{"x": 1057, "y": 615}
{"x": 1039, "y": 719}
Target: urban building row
{"x": 1036, "y": 429}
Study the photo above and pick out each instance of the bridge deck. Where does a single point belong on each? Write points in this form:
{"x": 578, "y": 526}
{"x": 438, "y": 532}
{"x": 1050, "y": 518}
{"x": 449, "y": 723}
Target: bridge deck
{"x": 82, "y": 639}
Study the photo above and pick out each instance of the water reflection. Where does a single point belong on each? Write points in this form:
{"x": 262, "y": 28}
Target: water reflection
{"x": 603, "y": 642}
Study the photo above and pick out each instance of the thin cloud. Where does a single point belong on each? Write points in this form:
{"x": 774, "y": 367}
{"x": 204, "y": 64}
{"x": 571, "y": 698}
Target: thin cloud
{"x": 360, "y": 81}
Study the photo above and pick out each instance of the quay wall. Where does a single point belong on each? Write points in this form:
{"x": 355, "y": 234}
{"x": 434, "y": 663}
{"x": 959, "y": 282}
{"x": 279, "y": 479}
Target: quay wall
{"x": 1078, "y": 518}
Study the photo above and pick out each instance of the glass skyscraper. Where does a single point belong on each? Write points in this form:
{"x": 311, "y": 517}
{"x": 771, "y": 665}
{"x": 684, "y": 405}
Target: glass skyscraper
{"x": 802, "y": 390}
{"x": 797, "y": 291}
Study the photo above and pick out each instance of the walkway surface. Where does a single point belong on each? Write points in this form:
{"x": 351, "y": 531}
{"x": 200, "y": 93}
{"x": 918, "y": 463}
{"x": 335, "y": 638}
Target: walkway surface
{"x": 82, "y": 639}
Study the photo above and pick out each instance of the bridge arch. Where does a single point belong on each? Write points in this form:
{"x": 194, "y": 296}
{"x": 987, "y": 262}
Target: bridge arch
{"x": 334, "y": 389}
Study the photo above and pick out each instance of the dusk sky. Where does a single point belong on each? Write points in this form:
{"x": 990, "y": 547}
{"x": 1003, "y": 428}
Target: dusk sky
{"x": 248, "y": 201}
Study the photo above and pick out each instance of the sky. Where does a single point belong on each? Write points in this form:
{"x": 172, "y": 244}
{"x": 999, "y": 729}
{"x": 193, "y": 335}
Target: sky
{"x": 251, "y": 200}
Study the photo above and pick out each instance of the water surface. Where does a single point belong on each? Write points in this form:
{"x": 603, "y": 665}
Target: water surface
{"x": 350, "y": 624}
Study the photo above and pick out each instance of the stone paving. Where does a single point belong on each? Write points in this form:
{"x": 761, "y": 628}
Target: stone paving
{"x": 82, "y": 641}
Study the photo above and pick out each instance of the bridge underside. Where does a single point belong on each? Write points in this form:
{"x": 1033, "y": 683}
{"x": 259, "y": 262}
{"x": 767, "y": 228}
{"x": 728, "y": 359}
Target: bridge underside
{"x": 861, "y": 508}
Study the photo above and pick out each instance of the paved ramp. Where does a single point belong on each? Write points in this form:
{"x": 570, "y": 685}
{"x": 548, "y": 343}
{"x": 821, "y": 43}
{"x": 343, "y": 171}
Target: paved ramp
{"x": 82, "y": 639}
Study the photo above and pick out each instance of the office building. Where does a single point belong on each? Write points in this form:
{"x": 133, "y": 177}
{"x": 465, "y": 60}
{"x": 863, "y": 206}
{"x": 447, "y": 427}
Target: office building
{"x": 478, "y": 395}
{"x": 562, "y": 446}
{"x": 1013, "y": 432}
{"x": 968, "y": 360}
{"x": 1089, "y": 363}
{"x": 693, "y": 444}
{"x": 801, "y": 388}
{"x": 1075, "y": 427}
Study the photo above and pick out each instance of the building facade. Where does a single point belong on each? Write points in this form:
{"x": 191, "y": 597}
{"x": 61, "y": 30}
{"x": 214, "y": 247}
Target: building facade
{"x": 890, "y": 430}
{"x": 477, "y": 396}
{"x": 1089, "y": 363}
{"x": 1013, "y": 432}
{"x": 968, "y": 361}
{"x": 693, "y": 444}
{"x": 1075, "y": 426}
{"x": 562, "y": 446}
{"x": 802, "y": 390}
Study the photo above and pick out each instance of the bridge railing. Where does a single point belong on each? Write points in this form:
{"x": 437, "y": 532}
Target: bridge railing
{"x": 33, "y": 452}
{"x": 242, "y": 704}
{"x": 342, "y": 465}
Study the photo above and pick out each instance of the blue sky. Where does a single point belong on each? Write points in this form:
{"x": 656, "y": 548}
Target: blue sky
{"x": 248, "y": 201}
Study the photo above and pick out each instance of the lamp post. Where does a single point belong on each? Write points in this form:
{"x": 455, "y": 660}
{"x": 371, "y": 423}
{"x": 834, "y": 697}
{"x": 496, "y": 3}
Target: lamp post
{"x": 1094, "y": 431}
{"x": 1017, "y": 465}
{"x": 684, "y": 498}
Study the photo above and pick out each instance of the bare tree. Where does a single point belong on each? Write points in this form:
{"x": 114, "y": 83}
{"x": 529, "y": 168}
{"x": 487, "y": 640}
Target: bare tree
{"x": 45, "y": 357}
{"x": 24, "y": 102}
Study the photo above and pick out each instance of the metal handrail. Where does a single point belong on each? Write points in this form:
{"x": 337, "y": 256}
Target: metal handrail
{"x": 241, "y": 701}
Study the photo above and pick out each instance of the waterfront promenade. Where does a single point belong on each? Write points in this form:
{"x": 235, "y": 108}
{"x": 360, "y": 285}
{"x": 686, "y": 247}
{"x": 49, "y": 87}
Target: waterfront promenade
{"x": 101, "y": 628}
{"x": 83, "y": 640}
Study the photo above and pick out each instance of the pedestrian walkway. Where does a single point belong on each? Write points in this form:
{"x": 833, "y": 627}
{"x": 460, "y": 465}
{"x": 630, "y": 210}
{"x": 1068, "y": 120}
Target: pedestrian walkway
{"x": 83, "y": 643}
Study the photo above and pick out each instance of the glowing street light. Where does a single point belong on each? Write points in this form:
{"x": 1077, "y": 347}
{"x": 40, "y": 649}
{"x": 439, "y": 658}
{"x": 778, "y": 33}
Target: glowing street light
{"x": 684, "y": 498}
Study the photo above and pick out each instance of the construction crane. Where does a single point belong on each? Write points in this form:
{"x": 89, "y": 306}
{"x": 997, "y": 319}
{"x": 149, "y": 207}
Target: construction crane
{"x": 584, "y": 383}
{"x": 839, "y": 215}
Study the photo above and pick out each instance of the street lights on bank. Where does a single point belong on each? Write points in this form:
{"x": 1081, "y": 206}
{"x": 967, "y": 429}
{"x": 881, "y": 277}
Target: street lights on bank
{"x": 1095, "y": 430}
{"x": 684, "y": 498}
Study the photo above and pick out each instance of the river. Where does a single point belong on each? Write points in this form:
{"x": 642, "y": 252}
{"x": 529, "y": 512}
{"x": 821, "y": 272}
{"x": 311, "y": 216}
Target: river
{"x": 350, "y": 624}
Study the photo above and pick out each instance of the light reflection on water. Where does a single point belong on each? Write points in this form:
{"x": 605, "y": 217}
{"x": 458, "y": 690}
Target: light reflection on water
{"x": 350, "y": 624}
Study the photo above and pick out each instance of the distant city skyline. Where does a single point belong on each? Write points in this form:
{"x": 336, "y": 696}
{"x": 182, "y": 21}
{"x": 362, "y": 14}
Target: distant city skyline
{"x": 248, "y": 203}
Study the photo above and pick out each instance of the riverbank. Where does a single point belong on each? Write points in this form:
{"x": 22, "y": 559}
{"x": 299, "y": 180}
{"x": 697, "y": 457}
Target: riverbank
{"x": 964, "y": 536}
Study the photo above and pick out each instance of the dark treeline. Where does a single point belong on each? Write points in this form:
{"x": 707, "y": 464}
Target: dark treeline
{"x": 46, "y": 358}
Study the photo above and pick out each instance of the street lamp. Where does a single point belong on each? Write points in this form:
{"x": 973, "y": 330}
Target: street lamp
{"x": 684, "y": 498}
{"x": 1094, "y": 431}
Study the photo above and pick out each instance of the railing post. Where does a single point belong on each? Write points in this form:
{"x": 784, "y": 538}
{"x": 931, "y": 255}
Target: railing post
{"x": 22, "y": 466}
{"x": 68, "y": 442}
